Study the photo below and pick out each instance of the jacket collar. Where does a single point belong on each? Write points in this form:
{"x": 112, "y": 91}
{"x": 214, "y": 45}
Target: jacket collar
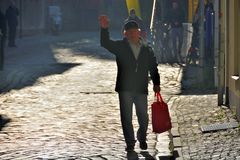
{"x": 142, "y": 41}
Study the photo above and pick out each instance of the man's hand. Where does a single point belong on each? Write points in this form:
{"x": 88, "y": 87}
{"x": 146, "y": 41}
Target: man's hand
{"x": 156, "y": 88}
{"x": 104, "y": 21}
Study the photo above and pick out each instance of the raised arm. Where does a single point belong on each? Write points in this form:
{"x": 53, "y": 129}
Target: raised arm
{"x": 105, "y": 40}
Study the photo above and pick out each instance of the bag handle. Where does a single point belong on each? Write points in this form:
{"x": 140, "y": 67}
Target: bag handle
{"x": 159, "y": 97}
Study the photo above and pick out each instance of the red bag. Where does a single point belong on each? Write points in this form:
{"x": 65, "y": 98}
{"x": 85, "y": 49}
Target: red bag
{"x": 161, "y": 120}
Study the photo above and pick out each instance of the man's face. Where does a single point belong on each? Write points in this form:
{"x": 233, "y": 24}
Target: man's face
{"x": 133, "y": 35}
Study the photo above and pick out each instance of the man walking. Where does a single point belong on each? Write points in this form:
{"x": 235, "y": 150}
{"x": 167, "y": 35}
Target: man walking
{"x": 135, "y": 60}
{"x": 12, "y": 21}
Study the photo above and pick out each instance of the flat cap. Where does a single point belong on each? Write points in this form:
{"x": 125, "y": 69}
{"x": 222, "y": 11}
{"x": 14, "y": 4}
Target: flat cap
{"x": 131, "y": 24}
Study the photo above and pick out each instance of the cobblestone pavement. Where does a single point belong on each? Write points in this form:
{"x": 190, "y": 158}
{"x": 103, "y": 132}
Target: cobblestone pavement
{"x": 190, "y": 112}
{"x": 192, "y": 109}
{"x": 59, "y": 95}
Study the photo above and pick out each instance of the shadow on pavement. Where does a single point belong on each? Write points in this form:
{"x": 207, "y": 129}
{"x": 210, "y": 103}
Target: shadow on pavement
{"x": 4, "y": 121}
{"x": 175, "y": 155}
{"x": 132, "y": 155}
{"x": 146, "y": 155}
{"x": 23, "y": 76}
{"x": 143, "y": 155}
{"x": 166, "y": 158}
{"x": 34, "y": 57}
{"x": 88, "y": 44}
{"x": 197, "y": 80}
{"x": 202, "y": 91}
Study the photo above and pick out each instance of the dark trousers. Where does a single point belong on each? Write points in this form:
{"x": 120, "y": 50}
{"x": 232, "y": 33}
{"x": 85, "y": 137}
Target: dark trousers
{"x": 177, "y": 40}
{"x": 127, "y": 99}
{"x": 12, "y": 35}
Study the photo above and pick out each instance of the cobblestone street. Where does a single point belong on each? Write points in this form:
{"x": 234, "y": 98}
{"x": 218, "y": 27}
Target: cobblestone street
{"x": 59, "y": 95}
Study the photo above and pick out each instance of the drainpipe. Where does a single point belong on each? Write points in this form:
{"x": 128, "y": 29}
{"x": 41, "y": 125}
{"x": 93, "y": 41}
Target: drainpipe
{"x": 226, "y": 53}
{"x": 218, "y": 55}
{"x": 201, "y": 38}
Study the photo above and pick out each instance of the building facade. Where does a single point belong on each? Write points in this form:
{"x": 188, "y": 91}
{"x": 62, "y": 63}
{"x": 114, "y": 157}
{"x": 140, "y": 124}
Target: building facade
{"x": 229, "y": 55}
{"x": 77, "y": 15}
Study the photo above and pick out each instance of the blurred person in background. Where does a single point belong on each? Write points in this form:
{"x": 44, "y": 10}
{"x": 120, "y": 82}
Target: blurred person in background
{"x": 176, "y": 18}
{"x": 134, "y": 17}
{"x": 12, "y": 14}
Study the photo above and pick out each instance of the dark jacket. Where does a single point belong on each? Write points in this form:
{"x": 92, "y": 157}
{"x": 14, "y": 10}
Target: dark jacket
{"x": 176, "y": 15}
{"x": 132, "y": 74}
{"x": 12, "y": 16}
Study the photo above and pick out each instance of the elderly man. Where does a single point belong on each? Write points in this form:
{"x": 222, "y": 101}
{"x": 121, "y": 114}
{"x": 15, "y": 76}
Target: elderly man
{"x": 135, "y": 60}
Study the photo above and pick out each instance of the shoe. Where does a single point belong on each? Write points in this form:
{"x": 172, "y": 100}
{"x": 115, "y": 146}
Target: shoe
{"x": 143, "y": 145}
{"x": 129, "y": 148}
{"x": 4, "y": 121}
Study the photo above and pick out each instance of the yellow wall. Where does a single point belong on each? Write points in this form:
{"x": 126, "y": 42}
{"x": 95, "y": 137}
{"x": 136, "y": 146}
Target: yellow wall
{"x": 234, "y": 47}
{"x": 192, "y": 4}
{"x": 192, "y": 7}
{"x": 134, "y": 4}
{"x": 230, "y": 52}
{"x": 237, "y": 54}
